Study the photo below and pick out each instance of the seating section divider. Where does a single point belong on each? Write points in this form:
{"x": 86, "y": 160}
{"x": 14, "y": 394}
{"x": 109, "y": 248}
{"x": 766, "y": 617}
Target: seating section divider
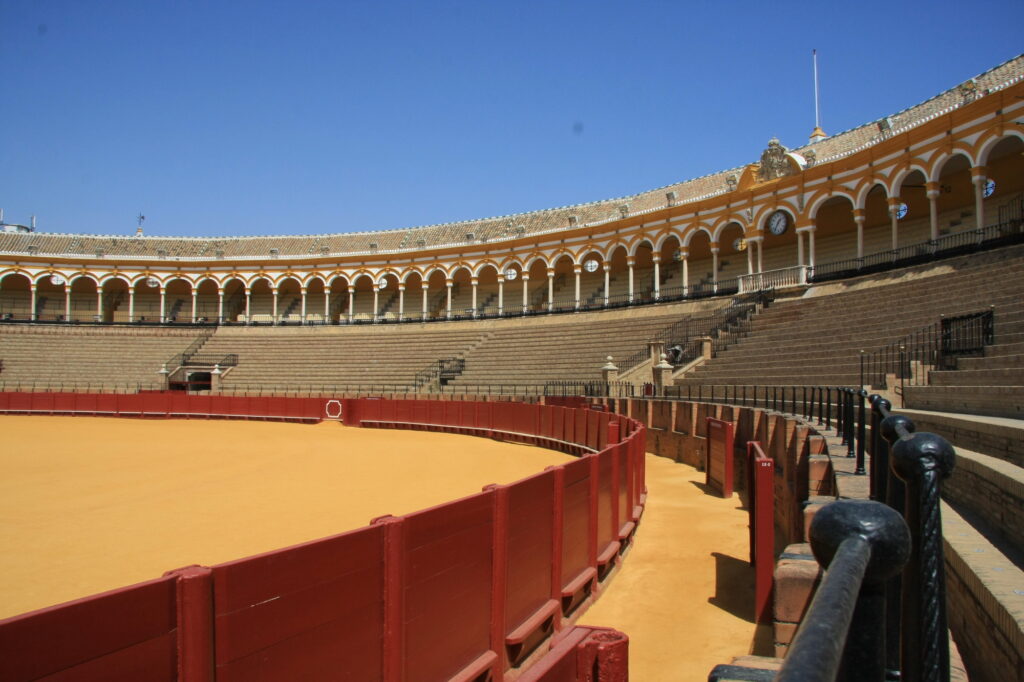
{"x": 485, "y": 587}
{"x": 761, "y": 506}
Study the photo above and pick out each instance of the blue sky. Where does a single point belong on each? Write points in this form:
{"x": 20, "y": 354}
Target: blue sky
{"x": 236, "y": 118}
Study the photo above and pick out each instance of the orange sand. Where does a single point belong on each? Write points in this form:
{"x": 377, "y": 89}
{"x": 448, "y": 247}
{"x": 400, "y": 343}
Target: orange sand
{"x": 684, "y": 594}
{"x": 90, "y": 504}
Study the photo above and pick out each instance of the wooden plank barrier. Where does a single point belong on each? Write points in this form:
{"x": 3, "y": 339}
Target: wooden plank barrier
{"x": 471, "y": 589}
{"x": 761, "y": 506}
{"x": 718, "y": 464}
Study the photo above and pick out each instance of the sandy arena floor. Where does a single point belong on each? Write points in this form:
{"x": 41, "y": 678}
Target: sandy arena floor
{"x": 89, "y": 504}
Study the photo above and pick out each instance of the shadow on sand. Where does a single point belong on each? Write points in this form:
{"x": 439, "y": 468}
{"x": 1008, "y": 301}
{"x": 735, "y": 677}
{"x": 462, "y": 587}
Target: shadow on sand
{"x": 734, "y": 593}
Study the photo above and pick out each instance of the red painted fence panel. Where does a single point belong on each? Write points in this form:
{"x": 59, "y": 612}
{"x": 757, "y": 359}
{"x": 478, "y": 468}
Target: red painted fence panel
{"x": 531, "y": 607}
{"x": 313, "y": 611}
{"x": 127, "y": 634}
{"x": 578, "y": 534}
{"x": 446, "y": 571}
{"x": 761, "y": 487}
{"x": 719, "y": 464}
{"x": 607, "y": 530}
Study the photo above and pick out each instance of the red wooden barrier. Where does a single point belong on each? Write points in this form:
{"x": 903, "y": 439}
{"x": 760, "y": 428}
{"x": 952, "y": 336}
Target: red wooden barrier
{"x": 127, "y": 634}
{"x": 719, "y": 465}
{"x": 492, "y": 572}
{"x": 761, "y": 487}
{"x": 313, "y": 611}
{"x": 579, "y": 530}
{"x": 446, "y": 588}
{"x": 530, "y": 597}
{"x": 607, "y": 517}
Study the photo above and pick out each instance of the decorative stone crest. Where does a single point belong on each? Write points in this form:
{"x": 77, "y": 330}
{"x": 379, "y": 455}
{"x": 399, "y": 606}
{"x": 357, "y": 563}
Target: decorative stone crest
{"x": 968, "y": 91}
{"x": 731, "y": 181}
{"x": 774, "y": 163}
{"x": 811, "y": 157}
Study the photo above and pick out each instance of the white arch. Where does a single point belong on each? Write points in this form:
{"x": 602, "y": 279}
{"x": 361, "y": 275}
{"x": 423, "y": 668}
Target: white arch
{"x": 862, "y": 195}
{"x": 812, "y": 210}
{"x": 720, "y": 228}
{"x": 990, "y": 144}
{"x": 946, "y": 157}
{"x": 688, "y": 237}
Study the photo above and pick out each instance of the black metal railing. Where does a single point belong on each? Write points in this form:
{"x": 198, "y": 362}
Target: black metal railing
{"x": 721, "y": 326}
{"x": 441, "y": 371}
{"x": 880, "y": 610}
{"x": 936, "y": 346}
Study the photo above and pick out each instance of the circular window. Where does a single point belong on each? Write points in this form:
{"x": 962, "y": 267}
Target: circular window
{"x": 153, "y": 282}
{"x": 382, "y": 283}
{"x": 591, "y": 265}
{"x": 57, "y": 280}
{"x": 901, "y": 211}
{"x": 990, "y": 188}
{"x": 511, "y": 273}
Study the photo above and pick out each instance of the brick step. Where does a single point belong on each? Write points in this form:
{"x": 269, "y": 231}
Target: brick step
{"x": 1007, "y": 361}
{"x": 994, "y": 401}
{"x": 978, "y": 377}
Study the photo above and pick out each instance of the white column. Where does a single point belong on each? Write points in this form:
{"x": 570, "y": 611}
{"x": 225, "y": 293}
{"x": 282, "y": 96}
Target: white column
{"x": 686, "y": 274}
{"x": 67, "y": 302}
{"x": 194, "y": 295}
{"x": 99, "y": 303}
{"x": 629, "y": 264}
{"x": 858, "y": 217}
{"x": 32, "y": 308}
{"x": 933, "y": 209}
{"x": 303, "y": 291}
{"x": 750, "y": 258}
{"x": 657, "y": 276}
{"x": 979, "y": 179}
{"x": 401, "y": 302}
{"x": 501, "y": 295}
{"x": 351, "y": 302}
{"x": 248, "y": 305}
{"x": 327, "y": 303}
{"x": 273, "y": 310}
{"x": 131, "y": 304}
{"x": 760, "y": 255}
{"x": 448, "y": 284}
{"x": 894, "y": 204}
{"x": 220, "y": 305}
{"x": 799, "y": 247}
{"x": 474, "y": 281}
{"x": 714, "y": 268}
{"x": 423, "y": 314}
{"x": 163, "y": 306}
{"x": 607, "y": 267}
{"x": 551, "y": 289}
{"x": 526, "y": 294}
{"x": 376, "y": 300}
{"x": 576, "y": 269}
{"x": 810, "y": 247}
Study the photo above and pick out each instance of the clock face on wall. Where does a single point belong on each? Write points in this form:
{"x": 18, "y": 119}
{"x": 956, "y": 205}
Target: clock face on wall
{"x": 901, "y": 211}
{"x": 511, "y": 274}
{"x": 778, "y": 222}
{"x": 590, "y": 265}
{"x": 739, "y": 244}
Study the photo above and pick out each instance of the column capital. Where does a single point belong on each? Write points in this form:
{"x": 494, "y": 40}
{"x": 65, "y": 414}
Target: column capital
{"x": 449, "y": 283}
{"x": 979, "y": 173}
{"x": 894, "y": 201}
{"x": 551, "y": 272}
{"x": 808, "y": 227}
{"x": 474, "y": 280}
{"x": 656, "y": 257}
{"x": 577, "y": 269}
{"x": 401, "y": 286}
{"x": 424, "y": 285}
{"x": 932, "y": 189}
{"x": 630, "y": 260}
{"x": 858, "y": 215}
{"x": 501, "y": 278}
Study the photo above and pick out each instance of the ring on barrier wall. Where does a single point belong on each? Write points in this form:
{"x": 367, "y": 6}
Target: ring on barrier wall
{"x": 333, "y": 404}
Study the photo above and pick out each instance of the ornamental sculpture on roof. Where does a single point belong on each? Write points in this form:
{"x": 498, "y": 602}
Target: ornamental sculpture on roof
{"x": 774, "y": 163}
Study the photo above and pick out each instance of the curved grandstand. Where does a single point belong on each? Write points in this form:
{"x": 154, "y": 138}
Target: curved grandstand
{"x": 887, "y": 258}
